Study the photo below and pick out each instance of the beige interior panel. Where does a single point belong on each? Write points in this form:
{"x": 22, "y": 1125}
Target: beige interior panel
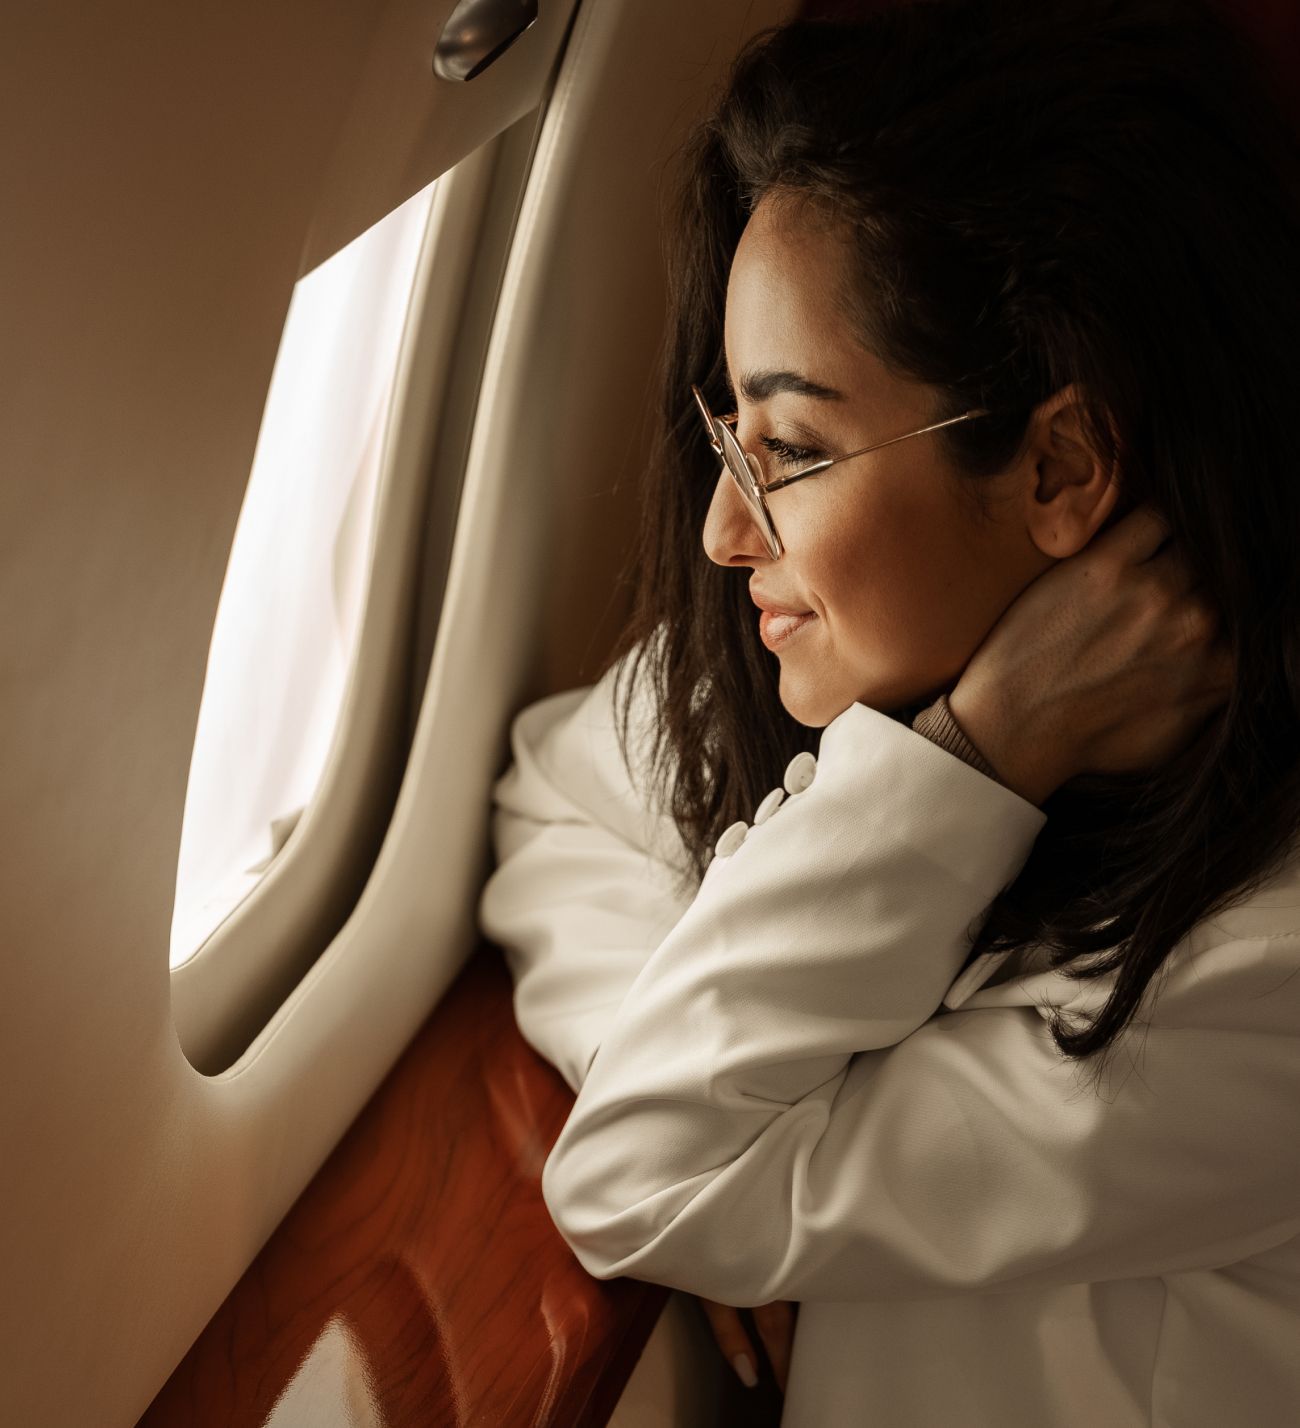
{"x": 167, "y": 172}
{"x": 681, "y": 1376}
{"x": 137, "y": 1189}
{"x": 225, "y": 993}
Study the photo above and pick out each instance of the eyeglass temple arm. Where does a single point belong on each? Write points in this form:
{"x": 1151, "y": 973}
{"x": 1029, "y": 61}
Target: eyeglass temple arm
{"x": 816, "y": 466}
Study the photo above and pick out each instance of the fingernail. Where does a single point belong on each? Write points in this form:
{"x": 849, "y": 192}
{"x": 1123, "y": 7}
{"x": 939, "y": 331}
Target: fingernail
{"x": 745, "y": 1369}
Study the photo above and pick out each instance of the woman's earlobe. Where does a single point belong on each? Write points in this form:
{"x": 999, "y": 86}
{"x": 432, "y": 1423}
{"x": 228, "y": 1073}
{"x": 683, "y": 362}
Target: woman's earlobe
{"x": 1063, "y": 523}
{"x": 1070, "y": 495}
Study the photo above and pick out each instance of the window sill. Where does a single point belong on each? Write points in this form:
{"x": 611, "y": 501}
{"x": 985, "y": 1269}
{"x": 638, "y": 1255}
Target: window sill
{"x": 419, "y": 1273}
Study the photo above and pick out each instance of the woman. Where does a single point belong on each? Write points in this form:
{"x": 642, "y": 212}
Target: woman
{"x": 834, "y": 919}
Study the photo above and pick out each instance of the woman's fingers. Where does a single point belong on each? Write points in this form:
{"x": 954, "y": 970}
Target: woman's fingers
{"x": 1171, "y": 565}
{"x": 775, "y": 1324}
{"x": 732, "y": 1340}
{"x": 1135, "y": 537}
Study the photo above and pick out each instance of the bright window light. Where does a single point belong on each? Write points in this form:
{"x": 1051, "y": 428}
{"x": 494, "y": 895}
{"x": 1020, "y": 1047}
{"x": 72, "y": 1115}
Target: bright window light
{"x": 291, "y": 603}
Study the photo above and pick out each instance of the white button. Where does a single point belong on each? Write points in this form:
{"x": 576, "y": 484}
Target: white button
{"x": 799, "y": 772}
{"x": 731, "y": 839}
{"x": 768, "y": 807}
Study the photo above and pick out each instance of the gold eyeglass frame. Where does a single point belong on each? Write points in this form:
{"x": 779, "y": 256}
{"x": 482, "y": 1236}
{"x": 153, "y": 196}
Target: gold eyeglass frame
{"x": 747, "y": 473}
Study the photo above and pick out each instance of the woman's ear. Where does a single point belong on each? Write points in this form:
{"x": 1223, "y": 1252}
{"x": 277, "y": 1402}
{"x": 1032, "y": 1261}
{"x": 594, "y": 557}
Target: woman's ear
{"x": 1069, "y": 489}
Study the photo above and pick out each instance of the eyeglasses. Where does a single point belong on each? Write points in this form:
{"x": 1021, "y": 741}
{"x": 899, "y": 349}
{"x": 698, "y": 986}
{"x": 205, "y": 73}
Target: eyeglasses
{"x": 748, "y": 476}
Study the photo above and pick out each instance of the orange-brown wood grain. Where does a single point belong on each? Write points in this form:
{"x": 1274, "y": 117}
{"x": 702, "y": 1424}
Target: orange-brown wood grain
{"x": 418, "y": 1279}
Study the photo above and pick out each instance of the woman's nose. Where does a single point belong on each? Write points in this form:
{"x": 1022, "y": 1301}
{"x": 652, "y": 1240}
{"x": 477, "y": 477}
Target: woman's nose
{"x": 730, "y": 535}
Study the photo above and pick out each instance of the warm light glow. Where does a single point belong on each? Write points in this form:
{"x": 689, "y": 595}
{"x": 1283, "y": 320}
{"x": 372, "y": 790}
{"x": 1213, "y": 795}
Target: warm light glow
{"x": 291, "y": 604}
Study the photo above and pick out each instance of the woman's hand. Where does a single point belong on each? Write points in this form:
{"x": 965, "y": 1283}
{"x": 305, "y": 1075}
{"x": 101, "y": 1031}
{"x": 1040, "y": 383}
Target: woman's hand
{"x": 775, "y": 1324}
{"x": 1109, "y": 662}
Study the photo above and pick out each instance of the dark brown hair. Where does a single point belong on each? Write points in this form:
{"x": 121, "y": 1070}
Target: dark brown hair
{"x": 1101, "y": 192}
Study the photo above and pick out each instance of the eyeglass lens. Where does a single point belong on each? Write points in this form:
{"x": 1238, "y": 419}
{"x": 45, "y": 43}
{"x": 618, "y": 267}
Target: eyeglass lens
{"x": 746, "y": 478}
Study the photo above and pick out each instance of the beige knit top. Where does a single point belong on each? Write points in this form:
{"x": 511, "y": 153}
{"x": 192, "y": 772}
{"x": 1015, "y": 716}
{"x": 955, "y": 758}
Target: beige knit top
{"x": 937, "y": 724}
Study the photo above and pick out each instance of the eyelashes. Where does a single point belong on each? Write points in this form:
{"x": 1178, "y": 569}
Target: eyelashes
{"x": 787, "y": 454}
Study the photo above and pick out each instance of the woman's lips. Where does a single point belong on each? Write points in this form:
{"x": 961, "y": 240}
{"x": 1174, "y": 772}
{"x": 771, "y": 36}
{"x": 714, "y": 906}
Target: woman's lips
{"x": 775, "y": 629}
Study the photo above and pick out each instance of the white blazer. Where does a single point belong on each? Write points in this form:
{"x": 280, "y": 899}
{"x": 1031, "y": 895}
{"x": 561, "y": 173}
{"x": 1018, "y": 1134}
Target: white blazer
{"x": 786, "y": 1092}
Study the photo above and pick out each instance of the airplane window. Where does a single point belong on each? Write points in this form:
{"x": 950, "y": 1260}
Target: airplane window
{"x": 292, "y": 599}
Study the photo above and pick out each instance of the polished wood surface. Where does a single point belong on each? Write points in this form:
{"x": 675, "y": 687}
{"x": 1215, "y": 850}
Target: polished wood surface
{"x": 418, "y": 1280}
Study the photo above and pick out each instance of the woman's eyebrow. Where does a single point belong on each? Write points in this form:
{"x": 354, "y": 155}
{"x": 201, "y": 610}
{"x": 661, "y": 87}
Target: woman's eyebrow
{"x": 759, "y": 386}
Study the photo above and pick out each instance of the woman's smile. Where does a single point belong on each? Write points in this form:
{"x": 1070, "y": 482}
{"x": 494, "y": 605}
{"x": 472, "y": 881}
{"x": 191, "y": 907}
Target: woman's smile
{"x": 774, "y": 630}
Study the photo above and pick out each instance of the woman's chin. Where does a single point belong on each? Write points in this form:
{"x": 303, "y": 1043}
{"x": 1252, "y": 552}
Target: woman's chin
{"x": 815, "y": 703}
{"x": 810, "y": 706}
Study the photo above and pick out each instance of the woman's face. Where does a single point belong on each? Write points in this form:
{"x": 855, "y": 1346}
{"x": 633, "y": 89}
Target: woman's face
{"x": 902, "y": 576}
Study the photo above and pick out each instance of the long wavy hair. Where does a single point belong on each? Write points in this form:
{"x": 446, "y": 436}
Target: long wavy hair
{"x": 1101, "y": 192}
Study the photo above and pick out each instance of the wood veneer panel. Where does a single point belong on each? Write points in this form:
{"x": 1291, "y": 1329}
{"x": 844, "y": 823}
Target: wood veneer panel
{"x": 418, "y": 1280}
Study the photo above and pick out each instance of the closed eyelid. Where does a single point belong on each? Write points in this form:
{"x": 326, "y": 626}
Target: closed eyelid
{"x": 799, "y": 435}
{"x": 806, "y": 436}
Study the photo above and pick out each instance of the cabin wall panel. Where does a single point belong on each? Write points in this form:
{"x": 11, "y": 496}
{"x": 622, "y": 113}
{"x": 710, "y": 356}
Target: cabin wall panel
{"x": 137, "y": 1190}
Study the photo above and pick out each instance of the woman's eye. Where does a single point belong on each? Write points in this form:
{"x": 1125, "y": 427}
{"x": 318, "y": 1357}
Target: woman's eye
{"x": 785, "y": 453}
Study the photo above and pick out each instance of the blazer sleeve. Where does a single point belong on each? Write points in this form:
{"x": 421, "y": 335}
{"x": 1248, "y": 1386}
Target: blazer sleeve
{"x": 588, "y": 877}
{"x": 776, "y": 1112}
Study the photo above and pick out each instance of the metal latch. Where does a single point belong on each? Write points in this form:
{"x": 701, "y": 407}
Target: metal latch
{"x": 476, "y": 32}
